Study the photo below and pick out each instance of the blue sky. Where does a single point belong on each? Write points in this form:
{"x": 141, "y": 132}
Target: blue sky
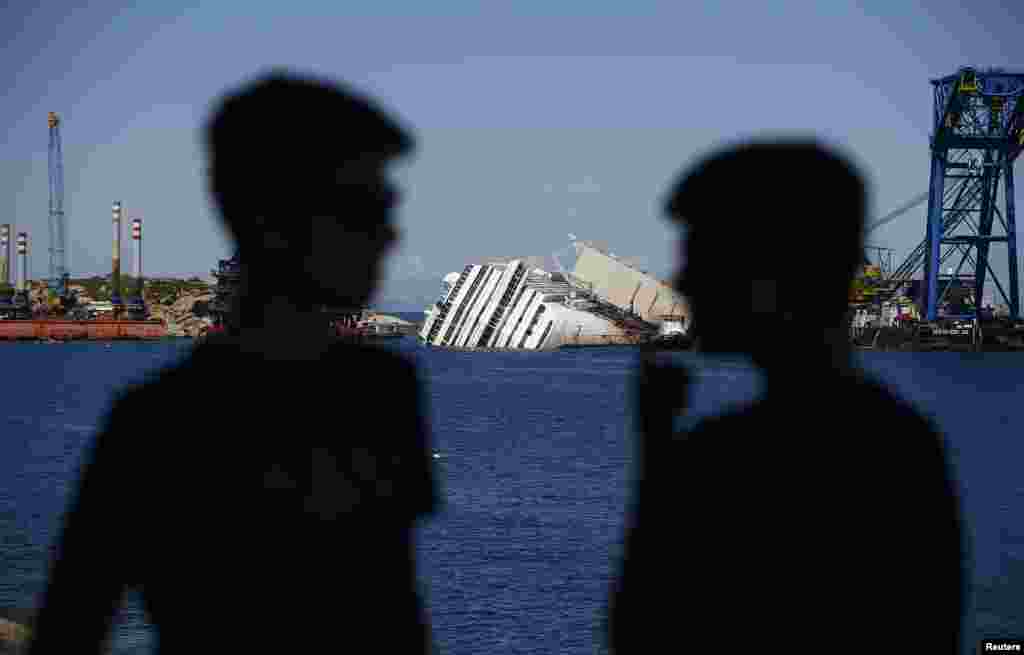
{"x": 534, "y": 119}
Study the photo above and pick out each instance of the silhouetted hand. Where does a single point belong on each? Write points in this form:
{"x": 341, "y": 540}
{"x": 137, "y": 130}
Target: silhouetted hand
{"x": 662, "y": 392}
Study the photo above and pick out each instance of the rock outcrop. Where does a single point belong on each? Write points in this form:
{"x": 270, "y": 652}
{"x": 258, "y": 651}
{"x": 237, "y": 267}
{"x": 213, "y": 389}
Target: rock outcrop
{"x": 37, "y": 297}
{"x": 186, "y": 315}
{"x": 186, "y": 311}
{"x": 14, "y": 632}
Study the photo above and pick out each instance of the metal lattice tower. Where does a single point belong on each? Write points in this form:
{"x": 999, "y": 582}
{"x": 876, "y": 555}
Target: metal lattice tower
{"x": 58, "y": 224}
{"x": 883, "y": 256}
{"x": 978, "y": 131}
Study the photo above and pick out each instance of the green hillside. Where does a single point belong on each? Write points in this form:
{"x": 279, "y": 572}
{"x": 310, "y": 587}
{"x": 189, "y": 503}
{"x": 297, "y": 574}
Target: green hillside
{"x": 159, "y": 289}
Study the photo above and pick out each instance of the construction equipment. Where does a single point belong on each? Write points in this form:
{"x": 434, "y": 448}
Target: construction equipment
{"x": 978, "y": 121}
{"x": 969, "y": 161}
{"x": 896, "y": 213}
{"x": 898, "y": 278}
{"x": 58, "y": 281}
{"x": 968, "y": 81}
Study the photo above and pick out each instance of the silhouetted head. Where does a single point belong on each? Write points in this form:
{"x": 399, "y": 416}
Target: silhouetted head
{"x": 773, "y": 237}
{"x": 298, "y": 169}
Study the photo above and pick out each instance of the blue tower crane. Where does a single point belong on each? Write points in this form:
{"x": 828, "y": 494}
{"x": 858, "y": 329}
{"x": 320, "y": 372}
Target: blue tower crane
{"x": 978, "y": 132}
{"x": 58, "y": 274}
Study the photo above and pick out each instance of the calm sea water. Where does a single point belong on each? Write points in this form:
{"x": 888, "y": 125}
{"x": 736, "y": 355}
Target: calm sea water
{"x": 534, "y": 463}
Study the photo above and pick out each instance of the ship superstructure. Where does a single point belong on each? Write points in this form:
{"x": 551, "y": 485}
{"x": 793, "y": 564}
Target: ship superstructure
{"x": 228, "y": 276}
{"x": 356, "y": 324}
{"x": 518, "y": 305}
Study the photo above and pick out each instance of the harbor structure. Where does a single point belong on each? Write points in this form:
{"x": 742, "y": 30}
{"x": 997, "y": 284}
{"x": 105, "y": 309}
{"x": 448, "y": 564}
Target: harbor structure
{"x": 60, "y": 318}
{"x": 977, "y": 134}
{"x": 18, "y": 305}
{"x": 136, "y": 306}
{"x": 346, "y": 323}
{"x": 5, "y": 255}
{"x": 18, "y": 324}
{"x": 940, "y": 288}
{"x": 115, "y": 280}
{"x": 14, "y": 298}
{"x": 7, "y": 290}
{"x": 225, "y": 290}
{"x": 58, "y": 273}
{"x": 23, "y": 284}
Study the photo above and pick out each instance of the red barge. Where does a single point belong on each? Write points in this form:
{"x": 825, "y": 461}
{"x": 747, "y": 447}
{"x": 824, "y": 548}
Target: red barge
{"x": 69, "y": 330}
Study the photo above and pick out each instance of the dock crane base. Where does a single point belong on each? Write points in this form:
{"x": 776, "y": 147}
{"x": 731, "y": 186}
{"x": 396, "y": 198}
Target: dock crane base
{"x": 977, "y": 115}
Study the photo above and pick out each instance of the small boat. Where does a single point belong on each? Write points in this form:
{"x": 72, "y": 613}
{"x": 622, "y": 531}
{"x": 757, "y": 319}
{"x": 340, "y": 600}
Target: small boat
{"x": 371, "y": 330}
{"x": 674, "y": 333}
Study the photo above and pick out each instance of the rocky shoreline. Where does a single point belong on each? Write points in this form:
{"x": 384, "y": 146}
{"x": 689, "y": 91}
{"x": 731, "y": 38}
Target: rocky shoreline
{"x": 184, "y": 306}
{"x": 14, "y": 630}
{"x": 184, "y": 309}
{"x": 187, "y": 315}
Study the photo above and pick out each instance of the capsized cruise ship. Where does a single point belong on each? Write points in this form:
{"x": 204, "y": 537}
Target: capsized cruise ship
{"x": 520, "y": 304}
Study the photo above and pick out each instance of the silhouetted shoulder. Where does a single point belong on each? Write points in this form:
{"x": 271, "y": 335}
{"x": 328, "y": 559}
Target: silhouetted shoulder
{"x": 831, "y": 405}
{"x": 378, "y": 362}
{"x": 384, "y": 392}
{"x": 222, "y": 417}
{"x": 142, "y": 412}
{"x": 817, "y": 493}
{"x": 849, "y": 437}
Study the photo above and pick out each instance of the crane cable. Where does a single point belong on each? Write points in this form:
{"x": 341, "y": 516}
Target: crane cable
{"x": 896, "y": 213}
{"x": 917, "y": 200}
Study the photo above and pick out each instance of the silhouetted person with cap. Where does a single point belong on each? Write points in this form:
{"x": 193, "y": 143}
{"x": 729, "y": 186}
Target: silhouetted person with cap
{"x": 822, "y": 517}
{"x": 262, "y": 494}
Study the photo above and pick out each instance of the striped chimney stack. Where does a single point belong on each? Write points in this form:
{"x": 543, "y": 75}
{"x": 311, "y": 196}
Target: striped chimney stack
{"x": 115, "y": 297}
{"x": 137, "y": 250}
{"x": 23, "y": 255}
{"x": 5, "y": 254}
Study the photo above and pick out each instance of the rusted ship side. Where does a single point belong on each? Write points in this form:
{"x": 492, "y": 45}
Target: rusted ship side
{"x": 67, "y": 330}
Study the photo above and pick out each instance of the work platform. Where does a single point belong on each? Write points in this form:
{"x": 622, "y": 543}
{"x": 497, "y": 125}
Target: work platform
{"x": 68, "y": 330}
{"x": 942, "y": 335}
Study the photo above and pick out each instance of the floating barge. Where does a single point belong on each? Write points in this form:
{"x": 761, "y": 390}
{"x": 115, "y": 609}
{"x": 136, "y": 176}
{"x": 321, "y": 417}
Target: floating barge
{"x": 362, "y": 331}
{"x": 47, "y": 329}
{"x": 951, "y": 335}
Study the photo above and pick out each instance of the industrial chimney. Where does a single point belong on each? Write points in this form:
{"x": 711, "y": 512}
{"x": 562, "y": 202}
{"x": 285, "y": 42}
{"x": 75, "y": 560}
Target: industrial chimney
{"x": 5, "y": 254}
{"x": 23, "y": 254}
{"x": 115, "y": 278}
{"x": 137, "y": 257}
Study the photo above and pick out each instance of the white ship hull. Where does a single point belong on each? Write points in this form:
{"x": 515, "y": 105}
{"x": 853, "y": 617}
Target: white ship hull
{"x": 510, "y": 306}
{"x": 520, "y": 306}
